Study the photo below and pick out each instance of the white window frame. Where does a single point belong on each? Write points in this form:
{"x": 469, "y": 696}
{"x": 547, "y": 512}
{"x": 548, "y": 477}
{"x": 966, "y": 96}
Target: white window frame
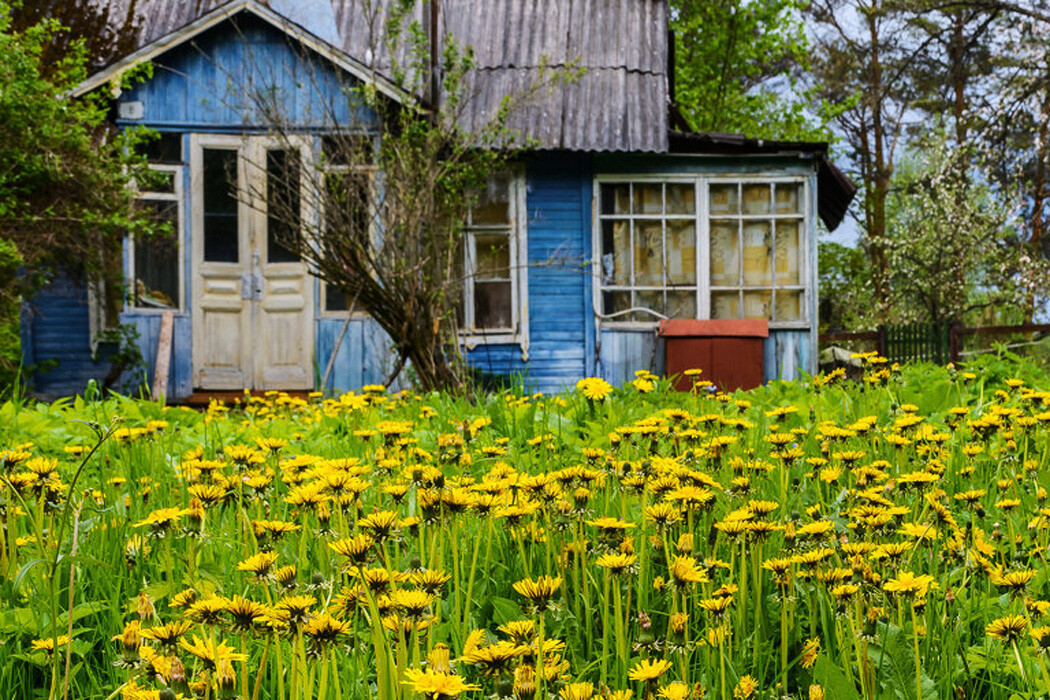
{"x": 372, "y": 172}
{"x": 178, "y": 175}
{"x": 518, "y": 333}
{"x": 701, "y": 185}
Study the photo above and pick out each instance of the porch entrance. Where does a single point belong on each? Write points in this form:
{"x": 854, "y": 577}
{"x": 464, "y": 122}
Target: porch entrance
{"x": 252, "y": 298}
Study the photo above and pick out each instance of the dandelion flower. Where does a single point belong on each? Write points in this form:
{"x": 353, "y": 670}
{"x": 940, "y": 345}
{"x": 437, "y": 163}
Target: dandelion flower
{"x": 745, "y": 688}
{"x": 594, "y": 388}
{"x": 436, "y": 685}
{"x": 1007, "y": 629}
{"x": 810, "y": 652}
{"x": 648, "y": 670}
{"x": 538, "y": 591}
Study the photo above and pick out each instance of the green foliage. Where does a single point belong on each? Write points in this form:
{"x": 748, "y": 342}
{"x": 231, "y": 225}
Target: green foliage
{"x": 66, "y": 185}
{"x": 736, "y": 64}
{"x": 845, "y": 293}
{"x": 953, "y": 253}
{"x": 10, "y": 348}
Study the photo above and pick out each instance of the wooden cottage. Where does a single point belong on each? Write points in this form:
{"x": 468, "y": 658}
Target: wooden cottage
{"x": 617, "y": 218}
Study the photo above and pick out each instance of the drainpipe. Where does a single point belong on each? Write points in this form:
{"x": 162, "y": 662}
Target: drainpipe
{"x": 435, "y": 56}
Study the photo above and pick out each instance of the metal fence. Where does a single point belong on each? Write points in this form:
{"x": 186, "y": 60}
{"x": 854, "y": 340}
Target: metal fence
{"x": 929, "y": 342}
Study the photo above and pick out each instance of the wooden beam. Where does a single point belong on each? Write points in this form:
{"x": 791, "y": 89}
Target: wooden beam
{"x": 163, "y": 365}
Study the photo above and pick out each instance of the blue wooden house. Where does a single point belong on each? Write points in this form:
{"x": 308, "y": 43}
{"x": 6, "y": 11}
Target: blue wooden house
{"x": 618, "y": 216}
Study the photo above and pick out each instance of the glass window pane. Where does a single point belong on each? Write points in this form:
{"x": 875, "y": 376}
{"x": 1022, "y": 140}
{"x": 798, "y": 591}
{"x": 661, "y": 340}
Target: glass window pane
{"x": 616, "y": 252}
{"x": 758, "y": 254}
{"x": 348, "y": 149}
{"x": 724, "y": 200}
{"x": 648, "y": 253}
{"x": 756, "y": 199}
{"x": 492, "y": 305}
{"x": 166, "y": 148}
{"x": 493, "y": 206}
{"x": 492, "y": 252}
{"x": 789, "y": 271}
{"x": 680, "y": 198}
{"x": 348, "y": 205}
{"x": 336, "y": 299}
{"x": 789, "y": 305}
{"x": 787, "y": 198}
{"x": 162, "y": 181}
{"x": 758, "y": 305}
{"x": 283, "y": 209}
{"x": 681, "y": 252}
{"x": 681, "y": 304}
{"x": 613, "y": 302}
{"x": 648, "y": 300}
{"x": 725, "y": 305}
{"x": 648, "y": 198}
{"x": 725, "y": 254}
{"x": 616, "y": 198}
{"x": 156, "y": 283}
{"x": 220, "y": 205}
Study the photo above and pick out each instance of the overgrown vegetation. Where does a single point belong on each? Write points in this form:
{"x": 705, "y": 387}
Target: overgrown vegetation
{"x": 67, "y": 180}
{"x": 878, "y": 539}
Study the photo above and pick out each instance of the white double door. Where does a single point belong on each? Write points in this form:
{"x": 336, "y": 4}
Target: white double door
{"x": 252, "y": 301}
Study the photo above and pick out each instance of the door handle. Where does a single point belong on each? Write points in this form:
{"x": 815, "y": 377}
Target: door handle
{"x": 247, "y": 286}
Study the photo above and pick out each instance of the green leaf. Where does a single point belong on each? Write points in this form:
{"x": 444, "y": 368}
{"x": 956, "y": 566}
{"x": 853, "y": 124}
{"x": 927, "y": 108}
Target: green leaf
{"x": 505, "y": 610}
{"x": 895, "y": 665}
{"x": 834, "y": 682}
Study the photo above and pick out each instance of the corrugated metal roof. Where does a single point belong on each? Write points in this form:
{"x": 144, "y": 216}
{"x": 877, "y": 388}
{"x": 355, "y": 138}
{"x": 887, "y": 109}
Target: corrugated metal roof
{"x": 619, "y": 103}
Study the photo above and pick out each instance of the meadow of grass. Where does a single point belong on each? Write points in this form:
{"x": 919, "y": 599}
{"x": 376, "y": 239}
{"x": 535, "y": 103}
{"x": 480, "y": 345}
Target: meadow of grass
{"x": 879, "y": 538}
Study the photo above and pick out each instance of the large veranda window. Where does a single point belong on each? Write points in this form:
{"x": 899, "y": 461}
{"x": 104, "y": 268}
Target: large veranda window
{"x": 702, "y": 248}
{"x": 154, "y": 264}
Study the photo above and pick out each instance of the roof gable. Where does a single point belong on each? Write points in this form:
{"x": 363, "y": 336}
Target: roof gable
{"x": 619, "y": 103}
{"x": 153, "y": 43}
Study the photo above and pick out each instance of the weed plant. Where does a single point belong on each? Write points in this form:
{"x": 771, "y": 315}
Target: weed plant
{"x": 877, "y": 539}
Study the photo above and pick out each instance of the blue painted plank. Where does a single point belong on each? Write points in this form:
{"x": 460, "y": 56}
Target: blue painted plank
{"x": 785, "y": 353}
{"x": 211, "y": 81}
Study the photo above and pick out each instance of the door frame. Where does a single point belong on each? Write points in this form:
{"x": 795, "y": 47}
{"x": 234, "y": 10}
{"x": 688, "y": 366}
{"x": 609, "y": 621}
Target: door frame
{"x": 252, "y": 240}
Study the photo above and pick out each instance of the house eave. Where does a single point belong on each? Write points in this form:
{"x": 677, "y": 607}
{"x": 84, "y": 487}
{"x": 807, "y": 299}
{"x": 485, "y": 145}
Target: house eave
{"x": 835, "y": 190}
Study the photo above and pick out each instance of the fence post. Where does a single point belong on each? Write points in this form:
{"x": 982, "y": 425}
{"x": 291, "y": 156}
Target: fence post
{"x": 881, "y": 340}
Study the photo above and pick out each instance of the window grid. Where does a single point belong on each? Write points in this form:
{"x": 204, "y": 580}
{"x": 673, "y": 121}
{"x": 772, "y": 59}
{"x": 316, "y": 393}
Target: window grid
{"x": 474, "y": 277}
{"x": 702, "y": 218}
{"x": 332, "y": 301}
{"x": 637, "y": 216}
{"x": 172, "y": 196}
{"x": 744, "y": 288}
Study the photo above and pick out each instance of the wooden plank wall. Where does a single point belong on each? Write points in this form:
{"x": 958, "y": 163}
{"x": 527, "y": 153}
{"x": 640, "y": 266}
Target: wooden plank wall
{"x": 561, "y": 330}
{"x": 622, "y": 352}
{"x": 785, "y": 353}
{"x": 56, "y": 333}
{"x": 180, "y": 374}
{"x": 364, "y": 357}
{"x": 206, "y": 84}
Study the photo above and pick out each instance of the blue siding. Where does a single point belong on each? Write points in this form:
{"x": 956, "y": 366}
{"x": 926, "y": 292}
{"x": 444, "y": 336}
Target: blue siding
{"x": 787, "y": 352}
{"x": 56, "y": 333}
{"x": 180, "y": 373}
{"x": 210, "y": 82}
{"x": 364, "y": 356}
{"x": 561, "y": 334}
{"x": 622, "y": 352}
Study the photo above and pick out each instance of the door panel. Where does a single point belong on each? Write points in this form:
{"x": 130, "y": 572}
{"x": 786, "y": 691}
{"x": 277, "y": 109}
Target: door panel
{"x": 221, "y": 311}
{"x": 253, "y": 300}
